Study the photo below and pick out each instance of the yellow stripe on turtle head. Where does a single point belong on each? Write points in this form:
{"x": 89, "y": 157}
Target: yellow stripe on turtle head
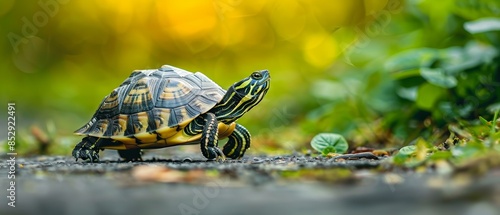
{"x": 243, "y": 84}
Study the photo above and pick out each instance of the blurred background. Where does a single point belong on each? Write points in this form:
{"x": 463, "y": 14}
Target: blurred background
{"x": 379, "y": 72}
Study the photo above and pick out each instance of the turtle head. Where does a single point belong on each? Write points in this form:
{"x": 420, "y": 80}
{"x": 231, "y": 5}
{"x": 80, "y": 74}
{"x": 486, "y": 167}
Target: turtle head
{"x": 253, "y": 87}
{"x": 243, "y": 96}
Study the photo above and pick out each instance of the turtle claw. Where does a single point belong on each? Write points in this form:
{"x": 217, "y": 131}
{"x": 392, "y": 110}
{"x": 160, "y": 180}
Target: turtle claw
{"x": 86, "y": 154}
{"x": 214, "y": 153}
{"x": 220, "y": 155}
{"x": 84, "y": 151}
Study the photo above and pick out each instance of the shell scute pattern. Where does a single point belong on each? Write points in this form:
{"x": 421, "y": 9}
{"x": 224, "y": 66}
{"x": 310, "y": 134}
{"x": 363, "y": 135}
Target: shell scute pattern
{"x": 138, "y": 98}
{"x": 153, "y": 101}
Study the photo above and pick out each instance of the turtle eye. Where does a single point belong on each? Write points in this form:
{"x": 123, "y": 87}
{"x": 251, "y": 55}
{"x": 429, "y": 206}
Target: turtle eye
{"x": 256, "y": 75}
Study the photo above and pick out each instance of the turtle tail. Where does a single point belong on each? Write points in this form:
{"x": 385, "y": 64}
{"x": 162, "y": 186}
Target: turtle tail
{"x": 87, "y": 149}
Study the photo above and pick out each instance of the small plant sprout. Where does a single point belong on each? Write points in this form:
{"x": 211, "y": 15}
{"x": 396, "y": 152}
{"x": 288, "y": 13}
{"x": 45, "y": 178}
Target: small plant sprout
{"x": 329, "y": 143}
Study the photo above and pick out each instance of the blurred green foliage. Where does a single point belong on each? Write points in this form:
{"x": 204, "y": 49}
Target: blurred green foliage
{"x": 481, "y": 142}
{"x": 379, "y": 72}
{"x": 433, "y": 66}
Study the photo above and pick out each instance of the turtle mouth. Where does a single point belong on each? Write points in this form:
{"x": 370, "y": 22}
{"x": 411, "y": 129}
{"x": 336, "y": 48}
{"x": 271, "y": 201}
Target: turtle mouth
{"x": 266, "y": 79}
{"x": 266, "y": 74}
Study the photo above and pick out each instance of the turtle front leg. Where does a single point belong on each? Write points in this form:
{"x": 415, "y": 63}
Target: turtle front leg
{"x": 87, "y": 149}
{"x": 209, "y": 138}
{"x": 238, "y": 143}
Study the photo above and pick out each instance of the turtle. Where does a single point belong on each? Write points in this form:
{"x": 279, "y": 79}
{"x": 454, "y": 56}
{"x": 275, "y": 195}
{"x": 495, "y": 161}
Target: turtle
{"x": 169, "y": 106}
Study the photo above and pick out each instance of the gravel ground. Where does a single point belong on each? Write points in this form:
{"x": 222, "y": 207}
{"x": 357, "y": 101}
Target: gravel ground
{"x": 253, "y": 185}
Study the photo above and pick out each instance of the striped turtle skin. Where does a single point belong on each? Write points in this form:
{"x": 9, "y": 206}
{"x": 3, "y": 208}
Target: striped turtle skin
{"x": 169, "y": 106}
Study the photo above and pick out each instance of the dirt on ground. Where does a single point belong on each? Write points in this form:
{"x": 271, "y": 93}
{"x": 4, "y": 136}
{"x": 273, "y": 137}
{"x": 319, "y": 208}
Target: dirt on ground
{"x": 287, "y": 184}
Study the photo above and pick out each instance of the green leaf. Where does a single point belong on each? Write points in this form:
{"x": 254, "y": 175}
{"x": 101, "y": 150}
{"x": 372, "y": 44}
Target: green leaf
{"x": 484, "y": 121}
{"x": 414, "y": 155}
{"x": 474, "y": 9}
{"x": 493, "y": 128}
{"x": 481, "y": 51}
{"x": 329, "y": 143}
{"x": 467, "y": 151}
{"x": 408, "y": 93}
{"x": 483, "y": 25}
{"x": 437, "y": 19}
{"x": 428, "y": 95}
{"x": 438, "y": 77}
{"x": 494, "y": 107}
{"x": 329, "y": 149}
{"x": 410, "y": 73}
{"x": 457, "y": 59}
{"x": 441, "y": 155}
{"x": 408, "y": 150}
{"x": 404, "y": 154}
{"x": 411, "y": 59}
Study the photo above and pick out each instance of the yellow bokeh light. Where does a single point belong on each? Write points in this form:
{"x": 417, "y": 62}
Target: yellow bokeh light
{"x": 320, "y": 50}
{"x": 238, "y": 8}
{"x": 187, "y": 18}
{"x": 6, "y": 6}
{"x": 230, "y": 32}
{"x": 291, "y": 21}
{"x": 118, "y": 16}
{"x": 336, "y": 13}
{"x": 374, "y": 6}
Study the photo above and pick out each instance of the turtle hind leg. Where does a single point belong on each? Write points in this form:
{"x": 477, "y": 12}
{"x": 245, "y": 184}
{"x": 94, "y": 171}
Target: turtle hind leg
{"x": 87, "y": 149}
{"x": 131, "y": 154}
{"x": 238, "y": 143}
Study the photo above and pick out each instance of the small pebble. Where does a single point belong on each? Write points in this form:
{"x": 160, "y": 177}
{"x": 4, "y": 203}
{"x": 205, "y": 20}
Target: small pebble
{"x": 257, "y": 161}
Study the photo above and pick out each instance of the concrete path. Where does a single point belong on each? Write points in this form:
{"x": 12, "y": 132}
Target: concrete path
{"x": 253, "y": 186}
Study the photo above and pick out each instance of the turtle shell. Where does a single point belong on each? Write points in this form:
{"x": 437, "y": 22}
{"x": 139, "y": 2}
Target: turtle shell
{"x": 153, "y": 104}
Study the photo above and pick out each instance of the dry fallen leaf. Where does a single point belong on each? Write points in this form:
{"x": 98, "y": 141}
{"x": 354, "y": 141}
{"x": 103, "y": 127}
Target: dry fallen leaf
{"x": 332, "y": 155}
{"x": 391, "y": 178}
{"x": 165, "y": 174}
{"x": 362, "y": 149}
{"x": 380, "y": 153}
{"x": 40, "y": 136}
